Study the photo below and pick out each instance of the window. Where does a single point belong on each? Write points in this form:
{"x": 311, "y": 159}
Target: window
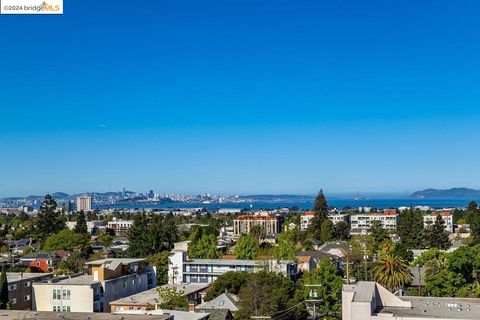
{"x": 27, "y": 284}
{"x": 12, "y": 287}
{"x": 124, "y": 284}
{"x": 66, "y": 294}
{"x": 133, "y": 282}
{"x": 57, "y": 294}
{"x": 13, "y": 301}
{"x": 27, "y": 297}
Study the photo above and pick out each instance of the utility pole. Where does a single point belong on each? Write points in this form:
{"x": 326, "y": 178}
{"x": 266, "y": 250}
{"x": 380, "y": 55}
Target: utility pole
{"x": 314, "y": 295}
{"x": 365, "y": 257}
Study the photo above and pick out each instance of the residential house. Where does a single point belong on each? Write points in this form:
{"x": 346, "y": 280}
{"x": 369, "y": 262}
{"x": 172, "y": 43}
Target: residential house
{"x": 20, "y": 288}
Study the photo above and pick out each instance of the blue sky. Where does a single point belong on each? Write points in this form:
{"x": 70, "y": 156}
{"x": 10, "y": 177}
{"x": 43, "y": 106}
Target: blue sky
{"x": 241, "y": 97}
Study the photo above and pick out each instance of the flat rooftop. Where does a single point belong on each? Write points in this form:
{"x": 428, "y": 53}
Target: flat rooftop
{"x": 16, "y": 276}
{"x": 225, "y": 262}
{"x": 150, "y": 297}
{"x": 70, "y": 280}
{"x": 47, "y": 315}
{"x": 436, "y": 307}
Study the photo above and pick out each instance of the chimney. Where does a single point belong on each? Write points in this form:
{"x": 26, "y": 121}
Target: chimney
{"x": 21, "y": 274}
{"x": 191, "y": 306}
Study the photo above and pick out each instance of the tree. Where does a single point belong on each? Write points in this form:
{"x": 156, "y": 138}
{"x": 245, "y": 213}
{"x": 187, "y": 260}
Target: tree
{"x": 160, "y": 261}
{"x": 258, "y": 231}
{"x": 171, "y": 299}
{"x": 263, "y": 294}
{"x": 377, "y": 236}
{"x": 326, "y": 232}
{"x": 230, "y": 282}
{"x": 473, "y": 218}
{"x": 4, "y": 301}
{"x": 403, "y": 251}
{"x": 320, "y": 208}
{"x": 430, "y": 254}
{"x": 81, "y": 225}
{"x": 411, "y": 230}
{"x": 246, "y": 247}
{"x": 444, "y": 284}
{"x": 204, "y": 248}
{"x": 392, "y": 272}
{"x": 342, "y": 230}
{"x": 105, "y": 240}
{"x": 149, "y": 235}
{"x": 49, "y": 221}
{"x": 285, "y": 250}
{"x": 330, "y": 290}
{"x": 437, "y": 236}
{"x": 66, "y": 240}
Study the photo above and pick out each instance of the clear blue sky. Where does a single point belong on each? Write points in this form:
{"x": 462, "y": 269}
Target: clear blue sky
{"x": 241, "y": 97}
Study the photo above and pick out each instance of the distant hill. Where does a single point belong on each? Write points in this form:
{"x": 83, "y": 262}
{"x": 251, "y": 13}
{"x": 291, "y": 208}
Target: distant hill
{"x": 453, "y": 193}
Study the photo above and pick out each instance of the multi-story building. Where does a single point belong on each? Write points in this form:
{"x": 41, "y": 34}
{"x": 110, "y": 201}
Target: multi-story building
{"x": 84, "y": 203}
{"x": 447, "y": 217}
{"x": 305, "y": 219}
{"x": 307, "y": 216}
{"x": 120, "y": 227}
{"x": 270, "y": 223}
{"x": 107, "y": 280}
{"x": 361, "y": 223}
{"x": 92, "y": 226}
{"x": 184, "y": 270}
{"x": 20, "y": 288}
{"x": 370, "y": 301}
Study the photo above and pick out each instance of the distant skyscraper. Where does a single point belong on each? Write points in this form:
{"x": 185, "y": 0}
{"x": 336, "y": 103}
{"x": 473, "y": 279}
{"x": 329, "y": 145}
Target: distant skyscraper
{"x": 84, "y": 203}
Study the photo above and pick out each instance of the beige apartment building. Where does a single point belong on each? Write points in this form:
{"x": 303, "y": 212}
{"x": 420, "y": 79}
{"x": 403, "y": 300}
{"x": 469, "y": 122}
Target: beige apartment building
{"x": 243, "y": 223}
{"x": 84, "y": 203}
{"x": 107, "y": 280}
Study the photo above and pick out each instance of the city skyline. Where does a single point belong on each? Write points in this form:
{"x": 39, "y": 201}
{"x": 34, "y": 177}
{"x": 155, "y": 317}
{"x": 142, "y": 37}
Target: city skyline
{"x": 241, "y": 97}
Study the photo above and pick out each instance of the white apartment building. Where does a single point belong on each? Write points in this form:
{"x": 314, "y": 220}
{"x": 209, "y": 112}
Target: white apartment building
{"x": 91, "y": 225}
{"x": 84, "y": 203}
{"x": 307, "y": 216}
{"x": 447, "y": 217}
{"x": 183, "y": 270}
{"x": 361, "y": 223}
{"x": 120, "y": 226}
{"x": 270, "y": 223}
{"x": 107, "y": 280}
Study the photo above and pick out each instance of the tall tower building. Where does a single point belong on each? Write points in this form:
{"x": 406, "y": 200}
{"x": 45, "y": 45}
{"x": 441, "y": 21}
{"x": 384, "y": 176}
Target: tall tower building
{"x": 84, "y": 203}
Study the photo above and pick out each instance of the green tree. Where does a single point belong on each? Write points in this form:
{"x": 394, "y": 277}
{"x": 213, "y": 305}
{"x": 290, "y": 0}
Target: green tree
{"x": 105, "y": 240}
{"x": 246, "y": 247}
{"x": 320, "y": 208}
{"x": 392, "y": 272}
{"x": 377, "y": 236}
{"x": 258, "y": 231}
{"x": 4, "y": 301}
{"x": 342, "y": 230}
{"x": 327, "y": 231}
{"x": 285, "y": 250}
{"x": 430, "y": 254}
{"x": 230, "y": 282}
{"x": 437, "y": 236}
{"x": 411, "y": 230}
{"x": 204, "y": 248}
{"x": 444, "y": 284}
{"x": 160, "y": 261}
{"x": 329, "y": 288}
{"x": 264, "y": 294}
{"x": 171, "y": 299}
{"x": 81, "y": 225}
{"x": 66, "y": 240}
{"x": 49, "y": 221}
{"x": 403, "y": 251}
{"x": 473, "y": 218}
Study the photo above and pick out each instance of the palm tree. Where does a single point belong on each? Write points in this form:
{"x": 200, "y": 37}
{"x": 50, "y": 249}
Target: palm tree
{"x": 258, "y": 231}
{"x": 434, "y": 266}
{"x": 392, "y": 272}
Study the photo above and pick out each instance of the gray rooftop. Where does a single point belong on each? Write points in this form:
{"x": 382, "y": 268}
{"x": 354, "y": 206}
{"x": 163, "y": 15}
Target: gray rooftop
{"x": 70, "y": 280}
{"x": 224, "y": 301}
{"x": 364, "y": 291}
{"x": 46, "y": 315}
{"x": 435, "y": 307}
{"x": 150, "y": 297}
{"x": 113, "y": 263}
{"x": 225, "y": 262}
{"x": 17, "y": 276}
